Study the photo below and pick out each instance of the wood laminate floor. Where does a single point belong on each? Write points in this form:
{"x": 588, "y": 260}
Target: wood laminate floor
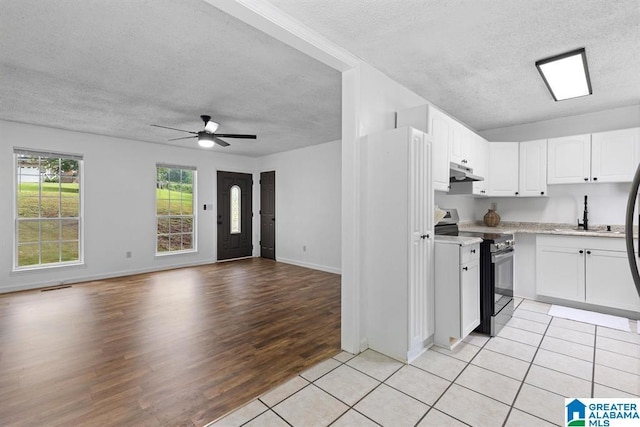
{"x": 173, "y": 348}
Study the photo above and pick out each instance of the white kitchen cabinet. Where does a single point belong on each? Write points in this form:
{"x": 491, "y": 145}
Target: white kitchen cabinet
{"x": 560, "y": 271}
{"x": 569, "y": 159}
{"x": 480, "y": 151}
{"x": 397, "y": 241}
{"x": 591, "y": 270}
{"x": 615, "y": 155}
{"x": 434, "y": 122}
{"x": 457, "y": 292}
{"x": 503, "y": 168}
{"x": 609, "y": 281}
{"x": 533, "y": 168}
{"x": 460, "y": 145}
{"x": 518, "y": 169}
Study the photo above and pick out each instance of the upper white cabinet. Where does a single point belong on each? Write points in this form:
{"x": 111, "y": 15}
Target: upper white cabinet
{"x": 615, "y": 155}
{"x": 440, "y": 130}
{"x": 600, "y": 157}
{"x": 518, "y": 168}
{"x": 460, "y": 145}
{"x": 533, "y": 168}
{"x": 503, "y": 168}
{"x": 480, "y": 154}
{"x": 397, "y": 234}
{"x": 452, "y": 142}
{"x": 432, "y": 121}
{"x": 480, "y": 151}
{"x": 569, "y": 159}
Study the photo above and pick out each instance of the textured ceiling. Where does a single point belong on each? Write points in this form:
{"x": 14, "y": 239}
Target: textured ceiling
{"x": 476, "y": 58}
{"x": 113, "y": 67}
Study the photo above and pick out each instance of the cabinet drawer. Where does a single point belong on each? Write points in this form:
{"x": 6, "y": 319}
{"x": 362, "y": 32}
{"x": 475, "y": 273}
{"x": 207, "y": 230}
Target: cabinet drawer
{"x": 469, "y": 253}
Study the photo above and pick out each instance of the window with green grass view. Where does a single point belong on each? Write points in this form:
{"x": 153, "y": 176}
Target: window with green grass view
{"x": 48, "y": 209}
{"x": 174, "y": 208}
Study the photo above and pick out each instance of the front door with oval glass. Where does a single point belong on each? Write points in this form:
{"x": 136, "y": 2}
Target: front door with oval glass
{"x": 234, "y": 215}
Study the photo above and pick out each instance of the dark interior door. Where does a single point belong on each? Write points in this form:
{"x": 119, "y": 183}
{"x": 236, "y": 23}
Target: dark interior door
{"x": 234, "y": 215}
{"x": 268, "y": 215}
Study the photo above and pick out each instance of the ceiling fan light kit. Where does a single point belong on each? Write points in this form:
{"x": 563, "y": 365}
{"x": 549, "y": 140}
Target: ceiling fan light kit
{"x": 207, "y": 138}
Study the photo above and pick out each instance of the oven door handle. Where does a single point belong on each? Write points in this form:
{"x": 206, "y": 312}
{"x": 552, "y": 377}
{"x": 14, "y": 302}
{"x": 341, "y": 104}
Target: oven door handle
{"x": 501, "y": 256}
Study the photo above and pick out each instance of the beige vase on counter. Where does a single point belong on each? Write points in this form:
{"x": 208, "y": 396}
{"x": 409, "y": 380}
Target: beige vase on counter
{"x": 491, "y": 218}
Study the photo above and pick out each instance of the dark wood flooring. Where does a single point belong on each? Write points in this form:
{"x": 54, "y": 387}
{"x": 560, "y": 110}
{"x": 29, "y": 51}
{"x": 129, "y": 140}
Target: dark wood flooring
{"x": 174, "y": 348}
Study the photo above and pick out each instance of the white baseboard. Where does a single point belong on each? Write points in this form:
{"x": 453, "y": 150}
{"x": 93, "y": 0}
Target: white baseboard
{"x": 124, "y": 273}
{"x": 102, "y": 276}
{"x": 310, "y": 265}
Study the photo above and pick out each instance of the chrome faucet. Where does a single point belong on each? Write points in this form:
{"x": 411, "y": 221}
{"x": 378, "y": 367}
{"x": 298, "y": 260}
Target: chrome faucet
{"x": 585, "y": 218}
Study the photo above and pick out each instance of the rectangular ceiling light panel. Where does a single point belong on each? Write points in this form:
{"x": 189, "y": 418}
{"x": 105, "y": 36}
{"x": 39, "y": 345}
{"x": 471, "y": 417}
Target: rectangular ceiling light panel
{"x": 566, "y": 75}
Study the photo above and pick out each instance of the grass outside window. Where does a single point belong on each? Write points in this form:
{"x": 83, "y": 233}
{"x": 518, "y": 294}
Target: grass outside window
{"x": 48, "y": 208}
{"x": 174, "y": 209}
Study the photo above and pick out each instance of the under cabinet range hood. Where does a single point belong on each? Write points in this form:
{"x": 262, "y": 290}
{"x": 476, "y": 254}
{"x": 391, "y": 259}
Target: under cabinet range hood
{"x": 460, "y": 173}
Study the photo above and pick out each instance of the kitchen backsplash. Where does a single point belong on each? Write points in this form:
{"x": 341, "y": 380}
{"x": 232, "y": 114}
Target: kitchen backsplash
{"x": 564, "y": 204}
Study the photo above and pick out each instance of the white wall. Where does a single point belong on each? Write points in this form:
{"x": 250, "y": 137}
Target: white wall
{"x": 466, "y": 205}
{"x": 308, "y": 205}
{"x": 369, "y": 103}
{"x": 607, "y": 203}
{"x": 617, "y": 118}
{"x": 119, "y": 203}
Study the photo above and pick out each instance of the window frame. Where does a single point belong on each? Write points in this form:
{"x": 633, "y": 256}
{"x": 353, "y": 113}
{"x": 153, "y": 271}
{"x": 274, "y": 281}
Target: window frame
{"x": 193, "y": 216}
{"x": 239, "y": 213}
{"x": 17, "y": 151}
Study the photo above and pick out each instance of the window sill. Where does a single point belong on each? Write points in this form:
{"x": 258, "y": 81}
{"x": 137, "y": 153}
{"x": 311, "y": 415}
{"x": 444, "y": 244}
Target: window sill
{"x": 166, "y": 254}
{"x": 44, "y": 268}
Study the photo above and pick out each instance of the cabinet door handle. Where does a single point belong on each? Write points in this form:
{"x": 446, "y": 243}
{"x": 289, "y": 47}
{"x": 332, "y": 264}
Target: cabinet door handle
{"x": 542, "y": 193}
{"x": 595, "y": 178}
{"x": 581, "y": 251}
{"x": 586, "y": 179}
{"x": 588, "y": 252}
{"x": 473, "y": 251}
{"x": 517, "y": 193}
{"x": 424, "y": 236}
{"x": 465, "y": 268}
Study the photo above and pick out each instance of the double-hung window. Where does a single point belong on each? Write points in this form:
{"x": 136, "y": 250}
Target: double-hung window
{"x": 48, "y": 215}
{"x": 175, "y": 213}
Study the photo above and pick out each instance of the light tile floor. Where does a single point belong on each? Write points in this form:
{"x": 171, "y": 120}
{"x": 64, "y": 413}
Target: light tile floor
{"x": 519, "y": 378}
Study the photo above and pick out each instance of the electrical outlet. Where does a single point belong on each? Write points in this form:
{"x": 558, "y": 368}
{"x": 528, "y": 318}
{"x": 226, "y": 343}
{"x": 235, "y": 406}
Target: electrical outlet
{"x": 128, "y": 254}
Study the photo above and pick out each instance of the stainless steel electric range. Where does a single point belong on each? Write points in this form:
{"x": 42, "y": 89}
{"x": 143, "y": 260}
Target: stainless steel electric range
{"x": 496, "y": 273}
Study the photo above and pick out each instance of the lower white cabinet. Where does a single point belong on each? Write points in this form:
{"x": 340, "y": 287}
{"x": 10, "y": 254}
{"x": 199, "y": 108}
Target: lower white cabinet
{"x": 592, "y": 270}
{"x": 457, "y": 292}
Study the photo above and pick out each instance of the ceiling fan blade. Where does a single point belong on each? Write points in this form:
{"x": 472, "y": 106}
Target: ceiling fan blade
{"x": 234, "y": 135}
{"x": 181, "y": 130}
{"x": 220, "y": 142}
{"x": 185, "y": 137}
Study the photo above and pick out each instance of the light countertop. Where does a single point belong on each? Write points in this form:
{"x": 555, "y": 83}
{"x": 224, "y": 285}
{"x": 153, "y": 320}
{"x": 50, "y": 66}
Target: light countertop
{"x": 457, "y": 240}
{"x": 545, "y": 228}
